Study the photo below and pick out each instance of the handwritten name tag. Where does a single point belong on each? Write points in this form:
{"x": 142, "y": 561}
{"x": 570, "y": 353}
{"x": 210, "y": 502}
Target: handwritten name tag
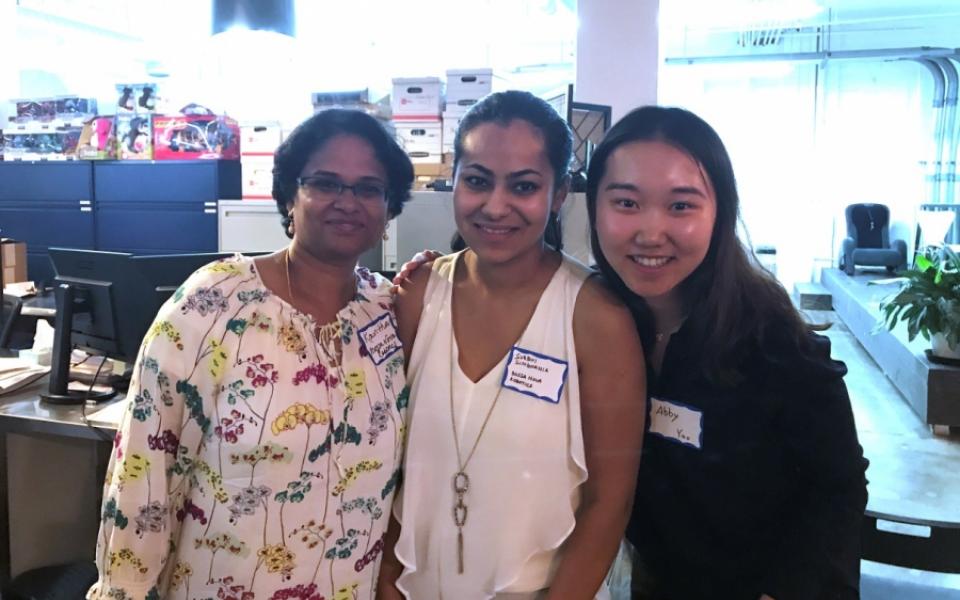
{"x": 676, "y": 422}
{"x": 380, "y": 339}
{"x": 535, "y": 375}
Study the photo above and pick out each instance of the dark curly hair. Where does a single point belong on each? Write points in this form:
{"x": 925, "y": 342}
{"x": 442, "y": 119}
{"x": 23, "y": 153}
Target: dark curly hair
{"x": 312, "y": 134}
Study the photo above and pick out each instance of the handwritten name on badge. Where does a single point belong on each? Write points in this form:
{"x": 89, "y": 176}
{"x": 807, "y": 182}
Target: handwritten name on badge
{"x": 380, "y": 339}
{"x": 535, "y": 375}
{"x": 676, "y": 422}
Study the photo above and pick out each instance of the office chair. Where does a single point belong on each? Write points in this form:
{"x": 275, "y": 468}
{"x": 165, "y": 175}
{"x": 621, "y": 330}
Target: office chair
{"x": 868, "y": 240}
{"x": 931, "y": 547}
{"x": 9, "y": 313}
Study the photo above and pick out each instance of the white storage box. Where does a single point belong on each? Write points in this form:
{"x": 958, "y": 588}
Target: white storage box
{"x": 458, "y": 109}
{"x": 450, "y": 123}
{"x": 469, "y": 85}
{"x": 257, "y": 174}
{"x": 421, "y": 140}
{"x": 416, "y": 97}
{"x": 260, "y": 139}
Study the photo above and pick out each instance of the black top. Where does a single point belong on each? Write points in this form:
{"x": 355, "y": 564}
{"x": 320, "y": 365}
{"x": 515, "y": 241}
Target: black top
{"x": 772, "y": 500}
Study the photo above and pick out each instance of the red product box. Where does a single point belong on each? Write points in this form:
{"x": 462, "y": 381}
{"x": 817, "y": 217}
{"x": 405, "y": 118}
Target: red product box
{"x": 185, "y": 137}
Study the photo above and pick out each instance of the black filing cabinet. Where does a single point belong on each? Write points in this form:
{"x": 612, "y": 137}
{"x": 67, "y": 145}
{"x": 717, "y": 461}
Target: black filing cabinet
{"x": 161, "y": 207}
{"x": 47, "y": 203}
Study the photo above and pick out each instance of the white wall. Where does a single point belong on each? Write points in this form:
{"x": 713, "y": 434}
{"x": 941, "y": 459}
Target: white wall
{"x": 617, "y": 53}
{"x": 9, "y": 74}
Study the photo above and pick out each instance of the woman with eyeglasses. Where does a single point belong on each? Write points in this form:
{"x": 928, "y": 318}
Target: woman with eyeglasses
{"x": 260, "y": 451}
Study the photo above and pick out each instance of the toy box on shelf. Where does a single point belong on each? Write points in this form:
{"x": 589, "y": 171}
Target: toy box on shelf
{"x": 33, "y": 143}
{"x": 136, "y": 98}
{"x": 196, "y": 136}
{"x": 98, "y": 140}
{"x": 134, "y": 135}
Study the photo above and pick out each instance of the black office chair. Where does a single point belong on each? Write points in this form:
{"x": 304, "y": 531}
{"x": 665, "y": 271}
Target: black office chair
{"x": 61, "y": 582}
{"x": 923, "y": 545}
{"x": 16, "y": 332}
{"x": 868, "y": 240}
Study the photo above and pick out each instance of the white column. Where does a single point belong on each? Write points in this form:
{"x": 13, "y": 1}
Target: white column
{"x": 617, "y": 53}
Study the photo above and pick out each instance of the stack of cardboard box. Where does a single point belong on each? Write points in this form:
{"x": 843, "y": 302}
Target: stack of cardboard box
{"x": 416, "y": 103}
{"x": 258, "y": 142}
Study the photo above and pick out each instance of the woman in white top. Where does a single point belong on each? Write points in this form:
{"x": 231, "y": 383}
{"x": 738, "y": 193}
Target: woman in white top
{"x": 526, "y": 407}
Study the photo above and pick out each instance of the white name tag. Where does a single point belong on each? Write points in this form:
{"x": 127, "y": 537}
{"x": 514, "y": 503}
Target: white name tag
{"x": 380, "y": 339}
{"x": 535, "y": 375}
{"x": 676, "y": 422}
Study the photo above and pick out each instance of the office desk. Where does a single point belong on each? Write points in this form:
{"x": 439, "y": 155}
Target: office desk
{"x": 51, "y": 478}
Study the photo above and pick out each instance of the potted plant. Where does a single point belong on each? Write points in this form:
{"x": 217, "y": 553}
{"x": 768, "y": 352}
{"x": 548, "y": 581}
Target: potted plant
{"x": 929, "y": 302}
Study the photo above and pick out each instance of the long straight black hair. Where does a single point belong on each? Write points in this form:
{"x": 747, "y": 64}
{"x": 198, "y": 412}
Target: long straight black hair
{"x": 734, "y": 307}
{"x": 504, "y": 107}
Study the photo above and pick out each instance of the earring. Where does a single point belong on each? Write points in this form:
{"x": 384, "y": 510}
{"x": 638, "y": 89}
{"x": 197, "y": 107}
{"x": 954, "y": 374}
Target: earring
{"x": 290, "y": 225}
{"x": 386, "y": 236}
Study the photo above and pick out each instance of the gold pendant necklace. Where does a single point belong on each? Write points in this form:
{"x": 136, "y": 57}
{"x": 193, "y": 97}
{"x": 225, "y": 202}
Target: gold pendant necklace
{"x": 461, "y": 481}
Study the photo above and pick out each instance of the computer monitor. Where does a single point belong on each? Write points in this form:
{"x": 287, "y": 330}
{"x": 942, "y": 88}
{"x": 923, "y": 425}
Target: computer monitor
{"x": 164, "y": 273}
{"x": 106, "y": 302}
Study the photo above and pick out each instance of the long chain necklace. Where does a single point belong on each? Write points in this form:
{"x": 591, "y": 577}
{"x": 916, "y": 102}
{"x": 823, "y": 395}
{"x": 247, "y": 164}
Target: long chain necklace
{"x": 461, "y": 481}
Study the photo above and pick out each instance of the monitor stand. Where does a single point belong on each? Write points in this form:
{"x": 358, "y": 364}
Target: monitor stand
{"x": 58, "y": 393}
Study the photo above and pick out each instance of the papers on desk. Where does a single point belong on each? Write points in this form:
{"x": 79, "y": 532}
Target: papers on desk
{"x": 16, "y": 373}
{"x": 20, "y": 289}
{"x": 111, "y": 414}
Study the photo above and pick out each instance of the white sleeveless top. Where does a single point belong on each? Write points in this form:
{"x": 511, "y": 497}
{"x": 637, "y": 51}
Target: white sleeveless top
{"x": 527, "y": 468}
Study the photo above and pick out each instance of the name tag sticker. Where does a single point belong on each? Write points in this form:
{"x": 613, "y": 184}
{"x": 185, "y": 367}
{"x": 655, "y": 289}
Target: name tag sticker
{"x": 380, "y": 339}
{"x": 536, "y": 375}
{"x": 676, "y": 422}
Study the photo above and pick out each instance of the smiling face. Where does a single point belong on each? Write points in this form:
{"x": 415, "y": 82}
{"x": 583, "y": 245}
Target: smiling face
{"x": 504, "y": 190}
{"x": 655, "y": 215}
{"x": 339, "y": 227}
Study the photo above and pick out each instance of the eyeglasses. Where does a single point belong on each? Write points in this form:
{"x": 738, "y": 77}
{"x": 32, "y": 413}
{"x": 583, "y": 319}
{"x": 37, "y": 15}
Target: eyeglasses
{"x": 325, "y": 186}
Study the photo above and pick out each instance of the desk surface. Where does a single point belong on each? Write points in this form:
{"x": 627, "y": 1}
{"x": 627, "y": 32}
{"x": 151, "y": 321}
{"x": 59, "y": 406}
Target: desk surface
{"x": 23, "y": 412}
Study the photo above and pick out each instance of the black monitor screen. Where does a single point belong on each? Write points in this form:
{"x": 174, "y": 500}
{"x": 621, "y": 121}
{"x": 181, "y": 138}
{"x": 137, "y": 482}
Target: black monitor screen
{"x": 164, "y": 273}
{"x": 109, "y": 316}
{"x": 112, "y": 299}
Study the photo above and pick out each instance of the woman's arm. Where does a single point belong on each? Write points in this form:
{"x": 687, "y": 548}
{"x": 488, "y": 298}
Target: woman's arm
{"x": 612, "y": 406}
{"x": 390, "y": 567}
{"x": 408, "y": 302}
{"x": 819, "y": 545}
{"x": 152, "y": 450}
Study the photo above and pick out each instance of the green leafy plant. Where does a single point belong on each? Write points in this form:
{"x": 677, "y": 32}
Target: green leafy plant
{"x": 929, "y": 301}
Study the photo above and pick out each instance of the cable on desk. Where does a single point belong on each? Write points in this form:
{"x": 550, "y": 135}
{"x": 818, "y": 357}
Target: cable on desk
{"x": 83, "y": 406}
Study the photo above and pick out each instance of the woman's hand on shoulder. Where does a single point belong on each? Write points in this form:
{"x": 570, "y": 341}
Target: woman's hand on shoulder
{"x": 408, "y": 296}
{"x": 419, "y": 259}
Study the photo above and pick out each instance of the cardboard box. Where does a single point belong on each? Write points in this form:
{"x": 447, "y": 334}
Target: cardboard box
{"x": 13, "y": 258}
{"x": 421, "y": 140}
{"x": 260, "y": 139}
{"x": 185, "y": 137}
{"x": 134, "y": 137}
{"x": 257, "y": 174}
{"x": 98, "y": 140}
{"x": 416, "y": 98}
{"x": 450, "y": 123}
{"x": 469, "y": 85}
{"x": 426, "y": 173}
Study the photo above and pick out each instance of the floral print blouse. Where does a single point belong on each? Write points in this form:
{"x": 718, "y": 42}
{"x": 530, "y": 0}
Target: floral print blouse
{"x": 259, "y": 453}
